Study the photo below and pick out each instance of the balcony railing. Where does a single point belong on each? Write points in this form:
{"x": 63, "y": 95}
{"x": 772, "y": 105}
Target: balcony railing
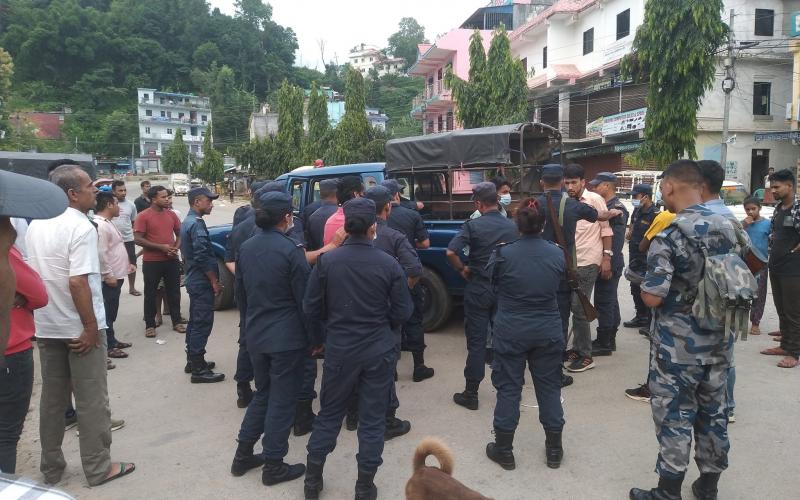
{"x": 177, "y": 104}
{"x": 437, "y": 89}
{"x": 173, "y": 119}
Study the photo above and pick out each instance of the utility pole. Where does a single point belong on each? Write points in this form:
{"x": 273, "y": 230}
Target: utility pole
{"x": 728, "y": 84}
{"x": 133, "y": 166}
{"x": 189, "y": 167}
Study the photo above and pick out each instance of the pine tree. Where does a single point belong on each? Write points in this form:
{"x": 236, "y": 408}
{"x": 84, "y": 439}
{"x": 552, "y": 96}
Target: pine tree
{"x": 353, "y": 133}
{"x": 675, "y": 49}
{"x": 176, "y": 158}
{"x": 290, "y": 125}
{"x": 318, "y": 126}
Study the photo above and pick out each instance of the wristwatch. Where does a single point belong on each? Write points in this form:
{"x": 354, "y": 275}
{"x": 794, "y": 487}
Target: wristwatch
{"x": 610, "y": 253}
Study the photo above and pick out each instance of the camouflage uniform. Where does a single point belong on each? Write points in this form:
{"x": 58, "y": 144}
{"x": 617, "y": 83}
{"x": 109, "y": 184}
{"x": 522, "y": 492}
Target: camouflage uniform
{"x": 688, "y": 365}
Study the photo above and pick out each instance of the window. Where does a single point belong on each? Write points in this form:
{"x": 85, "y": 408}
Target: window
{"x": 169, "y": 114}
{"x": 761, "y": 98}
{"x": 204, "y": 118}
{"x": 147, "y": 130}
{"x": 163, "y": 114}
{"x": 524, "y": 62}
{"x": 623, "y": 24}
{"x": 544, "y": 57}
{"x": 161, "y": 100}
{"x": 588, "y": 41}
{"x": 180, "y": 115}
{"x": 146, "y": 97}
{"x": 194, "y": 131}
{"x": 169, "y": 131}
{"x": 765, "y": 22}
{"x": 298, "y": 190}
{"x": 440, "y": 124}
{"x": 183, "y": 132}
{"x": 148, "y": 112}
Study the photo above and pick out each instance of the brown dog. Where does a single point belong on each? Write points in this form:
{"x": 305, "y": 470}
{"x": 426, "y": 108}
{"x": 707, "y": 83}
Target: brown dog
{"x": 436, "y": 483}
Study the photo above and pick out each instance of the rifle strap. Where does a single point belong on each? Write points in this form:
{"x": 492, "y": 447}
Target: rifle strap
{"x": 561, "y": 211}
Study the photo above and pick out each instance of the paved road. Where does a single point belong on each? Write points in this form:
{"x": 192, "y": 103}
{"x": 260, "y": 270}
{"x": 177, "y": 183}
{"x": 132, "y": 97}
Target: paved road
{"x": 182, "y": 436}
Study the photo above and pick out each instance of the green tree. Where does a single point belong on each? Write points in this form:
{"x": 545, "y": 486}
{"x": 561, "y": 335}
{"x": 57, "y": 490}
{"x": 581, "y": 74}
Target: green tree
{"x": 290, "y": 126}
{"x": 176, "y": 158}
{"x": 675, "y": 50}
{"x": 497, "y": 90}
{"x": 118, "y": 130}
{"x": 353, "y": 132}
{"x": 6, "y": 73}
{"x": 403, "y": 43}
{"x": 211, "y": 169}
{"x": 230, "y": 108}
{"x": 318, "y": 126}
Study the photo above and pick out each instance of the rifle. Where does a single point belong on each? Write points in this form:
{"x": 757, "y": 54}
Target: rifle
{"x": 572, "y": 273}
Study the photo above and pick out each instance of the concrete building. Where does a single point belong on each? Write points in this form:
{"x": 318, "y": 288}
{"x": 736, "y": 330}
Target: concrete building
{"x": 265, "y": 122}
{"x": 162, "y": 114}
{"x": 365, "y": 57}
{"x": 573, "y": 51}
{"x": 45, "y": 125}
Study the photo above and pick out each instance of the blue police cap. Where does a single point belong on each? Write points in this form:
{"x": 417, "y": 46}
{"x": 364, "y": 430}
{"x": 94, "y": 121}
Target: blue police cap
{"x": 201, "y": 191}
{"x": 256, "y": 185}
{"x": 603, "y": 177}
{"x": 273, "y": 201}
{"x": 642, "y": 189}
{"x": 553, "y": 170}
{"x": 273, "y": 186}
{"x": 392, "y": 185}
{"x": 379, "y": 194}
{"x": 360, "y": 208}
{"x": 484, "y": 191}
{"x": 328, "y": 184}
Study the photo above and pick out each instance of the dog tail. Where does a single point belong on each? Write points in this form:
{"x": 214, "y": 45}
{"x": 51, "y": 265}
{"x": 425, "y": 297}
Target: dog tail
{"x": 437, "y": 448}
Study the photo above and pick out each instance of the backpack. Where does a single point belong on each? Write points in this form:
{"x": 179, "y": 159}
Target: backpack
{"x": 727, "y": 289}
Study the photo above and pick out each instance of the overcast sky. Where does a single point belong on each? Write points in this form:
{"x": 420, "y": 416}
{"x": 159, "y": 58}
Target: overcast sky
{"x": 346, "y": 23}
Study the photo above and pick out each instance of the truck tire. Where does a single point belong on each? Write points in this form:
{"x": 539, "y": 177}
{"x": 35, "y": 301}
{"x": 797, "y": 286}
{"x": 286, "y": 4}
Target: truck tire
{"x": 225, "y": 300}
{"x": 437, "y": 302}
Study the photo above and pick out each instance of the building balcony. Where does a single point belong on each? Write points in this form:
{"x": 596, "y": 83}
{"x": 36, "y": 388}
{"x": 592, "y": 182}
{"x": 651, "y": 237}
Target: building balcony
{"x": 436, "y": 97}
{"x": 173, "y": 119}
{"x": 199, "y": 105}
{"x": 163, "y": 136}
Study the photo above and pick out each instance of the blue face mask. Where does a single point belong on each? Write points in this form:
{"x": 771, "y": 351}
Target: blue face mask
{"x": 636, "y": 203}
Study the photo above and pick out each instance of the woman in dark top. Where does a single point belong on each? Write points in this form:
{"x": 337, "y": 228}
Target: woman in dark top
{"x": 527, "y": 329}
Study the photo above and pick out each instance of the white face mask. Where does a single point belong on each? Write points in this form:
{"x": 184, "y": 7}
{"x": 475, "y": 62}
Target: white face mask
{"x": 505, "y": 199}
{"x": 636, "y": 203}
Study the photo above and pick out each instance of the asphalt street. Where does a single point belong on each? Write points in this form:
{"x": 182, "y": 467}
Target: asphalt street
{"x": 182, "y": 436}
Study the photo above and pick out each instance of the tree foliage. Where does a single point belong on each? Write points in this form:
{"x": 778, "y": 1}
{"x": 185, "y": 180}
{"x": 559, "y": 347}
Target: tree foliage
{"x": 290, "y": 125}
{"x": 319, "y": 126}
{"x": 176, "y": 158}
{"x": 675, "y": 51}
{"x": 212, "y": 168}
{"x": 230, "y": 109}
{"x": 353, "y": 132}
{"x": 403, "y": 43}
{"x": 497, "y": 90}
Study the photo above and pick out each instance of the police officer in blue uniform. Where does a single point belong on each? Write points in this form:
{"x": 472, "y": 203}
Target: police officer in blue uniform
{"x": 202, "y": 283}
{"x": 361, "y": 293}
{"x": 409, "y": 222}
{"x": 270, "y": 285}
{"x": 606, "y": 297}
{"x": 477, "y": 239}
{"x": 644, "y": 212}
{"x": 315, "y": 223}
{"x": 526, "y": 276}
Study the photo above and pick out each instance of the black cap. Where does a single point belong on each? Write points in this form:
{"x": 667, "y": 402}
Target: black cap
{"x": 27, "y": 197}
{"x": 272, "y": 187}
{"x": 642, "y": 189}
{"x": 552, "y": 170}
{"x": 485, "y": 192}
{"x": 201, "y": 191}
{"x": 273, "y": 201}
{"x": 360, "y": 208}
{"x": 603, "y": 177}
{"x": 329, "y": 184}
{"x": 392, "y": 185}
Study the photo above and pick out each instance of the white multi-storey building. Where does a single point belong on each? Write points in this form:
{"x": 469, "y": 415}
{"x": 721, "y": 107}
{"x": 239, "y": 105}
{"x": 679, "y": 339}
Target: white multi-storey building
{"x": 163, "y": 114}
{"x": 365, "y": 57}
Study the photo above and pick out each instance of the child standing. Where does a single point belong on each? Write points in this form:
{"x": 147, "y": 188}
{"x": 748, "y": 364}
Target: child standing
{"x": 758, "y": 228}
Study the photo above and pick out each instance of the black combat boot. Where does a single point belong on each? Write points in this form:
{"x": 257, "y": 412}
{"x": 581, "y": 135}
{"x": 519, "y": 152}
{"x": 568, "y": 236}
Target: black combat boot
{"x": 351, "y": 420}
{"x": 566, "y": 380}
{"x": 553, "y": 451}
{"x": 244, "y": 393}
{"x": 395, "y": 427}
{"x": 705, "y": 487}
{"x": 668, "y": 489}
{"x": 614, "y": 340}
{"x": 313, "y": 483}
{"x": 188, "y": 367}
{"x": 421, "y": 372}
{"x": 637, "y": 321}
{"x": 278, "y": 471}
{"x": 469, "y": 398}
{"x": 501, "y": 451}
{"x": 303, "y": 417}
{"x": 202, "y": 374}
{"x": 244, "y": 460}
{"x": 365, "y": 486}
{"x": 602, "y": 346}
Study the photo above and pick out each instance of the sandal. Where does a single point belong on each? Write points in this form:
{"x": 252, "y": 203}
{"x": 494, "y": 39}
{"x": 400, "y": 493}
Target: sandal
{"x": 123, "y": 345}
{"x": 159, "y": 320}
{"x": 135, "y": 293}
{"x": 124, "y": 470}
{"x": 117, "y": 353}
{"x": 775, "y": 334}
{"x": 110, "y": 365}
{"x": 777, "y": 339}
{"x": 180, "y": 328}
{"x": 150, "y": 333}
{"x": 755, "y": 330}
{"x": 775, "y": 351}
{"x": 788, "y": 362}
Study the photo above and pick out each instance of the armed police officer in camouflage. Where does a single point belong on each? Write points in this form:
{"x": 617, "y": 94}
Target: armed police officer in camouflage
{"x": 477, "y": 239}
{"x": 202, "y": 283}
{"x": 689, "y": 362}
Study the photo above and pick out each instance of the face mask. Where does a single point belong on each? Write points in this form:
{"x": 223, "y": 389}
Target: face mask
{"x": 505, "y": 199}
{"x": 636, "y": 203}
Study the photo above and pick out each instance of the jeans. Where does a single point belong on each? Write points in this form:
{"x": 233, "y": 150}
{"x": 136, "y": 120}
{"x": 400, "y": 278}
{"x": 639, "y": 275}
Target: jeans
{"x": 16, "y": 386}
{"x": 582, "y": 342}
{"x": 153, "y": 272}
{"x": 111, "y": 302}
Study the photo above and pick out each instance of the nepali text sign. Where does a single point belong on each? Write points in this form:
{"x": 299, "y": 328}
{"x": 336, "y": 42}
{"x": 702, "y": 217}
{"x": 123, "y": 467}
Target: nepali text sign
{"x": 595, "y": 128}
{"x": 777, "y": 136}
{"x": 622, "y": 123}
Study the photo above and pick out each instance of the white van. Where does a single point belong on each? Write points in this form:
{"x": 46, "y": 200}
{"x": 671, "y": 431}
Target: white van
{"x": 179, "y": 184}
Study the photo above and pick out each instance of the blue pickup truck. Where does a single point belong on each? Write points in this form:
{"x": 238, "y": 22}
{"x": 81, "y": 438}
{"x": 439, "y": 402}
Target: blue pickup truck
{"x": 439, "y": 171}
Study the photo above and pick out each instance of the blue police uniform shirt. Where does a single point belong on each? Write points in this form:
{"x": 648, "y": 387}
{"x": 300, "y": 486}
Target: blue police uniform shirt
{"x": 526, "y": 276}
{"x": 619, "y": 225}
{"x": 479, "y": 236}
{"x": 361, "y": 295}
{"x": 240, "y": 233}
{"x": 395, "y": 244}
{"x": 574, "y": 211}
{"x": 242, "y": 213}
{"x": 308, "y": 210}
{"x": 409, "y": 222}
{"x": 297, "y": 232}
{"x": 271, "y": 278}
{"x": 315, "y": 229}
{"x": 196, "y": 249}
{"x": 640, "y": 222}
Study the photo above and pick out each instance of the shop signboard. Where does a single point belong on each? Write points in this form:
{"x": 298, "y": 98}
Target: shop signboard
{"x": 630, "y": 121}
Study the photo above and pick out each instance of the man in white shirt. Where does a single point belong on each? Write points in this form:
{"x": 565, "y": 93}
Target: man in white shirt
{"x": 124, "y": 222}
{"x": 71, "y": 333}
{"x": 114, "y": 266}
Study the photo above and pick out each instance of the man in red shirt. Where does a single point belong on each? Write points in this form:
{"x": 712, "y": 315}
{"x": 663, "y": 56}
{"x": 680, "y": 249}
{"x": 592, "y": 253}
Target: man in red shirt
{"x": 158, "y": 230}
{"x": 349, "y": 187}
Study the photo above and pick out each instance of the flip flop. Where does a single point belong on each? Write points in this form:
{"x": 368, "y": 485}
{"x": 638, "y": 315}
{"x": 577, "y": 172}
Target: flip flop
{"x": 110, "y": 365}
{"x": 150, "y": 333}
{"x": 135, "y": 293}
{"x": 788, "y": 362}
{"x": 124, "y": 470}
{"x": 180, "y": 328}
{"x": 774, "y": 334}
{"x": 775, "y": 351}
{"x": 123, "y": 345}
{"x": 117, "y": 353}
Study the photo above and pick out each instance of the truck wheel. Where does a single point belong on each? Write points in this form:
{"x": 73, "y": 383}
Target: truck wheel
{"x": 436, "y": 300}
{"x": 225, "y": 300}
